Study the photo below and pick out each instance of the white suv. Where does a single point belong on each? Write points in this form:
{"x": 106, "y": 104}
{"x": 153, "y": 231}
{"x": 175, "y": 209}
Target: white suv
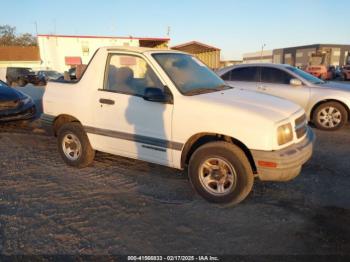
{"x": 326, "y": 104}
{"x": 166, "y": 107}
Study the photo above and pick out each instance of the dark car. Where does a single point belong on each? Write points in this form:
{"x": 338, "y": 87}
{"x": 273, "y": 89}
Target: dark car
{"x": 72, "y": 73}
{"x": 50, "y": 75}
{"x": 22, "y": 76}
{"x": 14, "y": 105}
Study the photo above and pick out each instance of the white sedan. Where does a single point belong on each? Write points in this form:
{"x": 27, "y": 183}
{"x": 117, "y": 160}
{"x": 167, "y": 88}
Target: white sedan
{"x": 327, "y": 104}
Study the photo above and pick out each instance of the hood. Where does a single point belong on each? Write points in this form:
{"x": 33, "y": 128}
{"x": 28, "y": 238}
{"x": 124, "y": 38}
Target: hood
{"x": 8, "y": 94}
{"x": 264, "y": 106}
{"x": 335, "y": 86}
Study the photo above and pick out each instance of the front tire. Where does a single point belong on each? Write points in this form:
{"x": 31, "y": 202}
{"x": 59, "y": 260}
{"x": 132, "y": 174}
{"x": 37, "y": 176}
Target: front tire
{"x": 220, "y": 173}
{"x": 330, "y": 116}
{"x": 74, "y": 146}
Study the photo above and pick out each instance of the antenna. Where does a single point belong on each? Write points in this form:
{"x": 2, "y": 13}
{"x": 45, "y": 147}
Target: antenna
{"x": 54, "y": 26}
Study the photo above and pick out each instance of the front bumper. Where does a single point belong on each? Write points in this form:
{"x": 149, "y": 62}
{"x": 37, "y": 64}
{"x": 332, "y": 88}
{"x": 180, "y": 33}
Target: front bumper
{"x": 287, "y": 162}
{"x": 25, "y": 112}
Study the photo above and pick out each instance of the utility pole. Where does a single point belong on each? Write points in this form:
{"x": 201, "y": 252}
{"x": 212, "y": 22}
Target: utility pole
{"x": 36, "y": 27}
{"x": 168, "y": 31}
{"x": 262, "y": 50}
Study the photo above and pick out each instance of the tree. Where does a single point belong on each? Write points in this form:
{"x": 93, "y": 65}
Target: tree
{"x": 8, "y": 37}
{"x": 26, "y": 40}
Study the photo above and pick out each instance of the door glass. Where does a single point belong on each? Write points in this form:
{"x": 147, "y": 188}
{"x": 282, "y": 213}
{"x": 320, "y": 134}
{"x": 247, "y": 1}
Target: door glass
{"x": 227, "y": 76}
{"x": 247, "y": 74}
{"x": 275, "y": 76}
{"x": 130, "y": 75}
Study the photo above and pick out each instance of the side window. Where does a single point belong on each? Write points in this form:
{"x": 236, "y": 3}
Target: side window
{"x": 248, "y": 74}
{"x": 130, "y": 75}
{"x": 275, "y": 76}
{"x": 227, "y": 76}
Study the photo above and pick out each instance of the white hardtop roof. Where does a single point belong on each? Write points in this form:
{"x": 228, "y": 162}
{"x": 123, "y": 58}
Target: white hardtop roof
{"x": 137, "y": 49}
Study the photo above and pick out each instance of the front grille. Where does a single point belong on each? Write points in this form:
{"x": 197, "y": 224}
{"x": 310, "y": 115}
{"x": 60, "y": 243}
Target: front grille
{"x": 9, "y": 104}
{"x": 301, "y": 126}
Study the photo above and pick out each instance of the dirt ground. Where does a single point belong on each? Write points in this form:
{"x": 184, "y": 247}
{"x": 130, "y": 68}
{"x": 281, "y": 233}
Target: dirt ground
{"x": 123, "y": 206}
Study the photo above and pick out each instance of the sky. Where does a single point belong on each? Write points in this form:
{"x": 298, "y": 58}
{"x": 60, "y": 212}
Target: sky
{"x": 234, "y": 26}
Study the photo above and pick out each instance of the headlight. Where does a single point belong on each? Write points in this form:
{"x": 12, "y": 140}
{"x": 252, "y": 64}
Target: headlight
{"x": 284, "y": 134}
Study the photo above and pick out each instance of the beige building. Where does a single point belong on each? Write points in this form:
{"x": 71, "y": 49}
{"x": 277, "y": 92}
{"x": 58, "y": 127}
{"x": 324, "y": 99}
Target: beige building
{"x": 60, "y": 52}
{"x": 209, "y": 55}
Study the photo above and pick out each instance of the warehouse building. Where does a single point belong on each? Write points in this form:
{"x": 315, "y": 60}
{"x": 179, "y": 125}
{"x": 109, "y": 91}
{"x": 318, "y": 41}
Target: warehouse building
{"x": 209, "y": 55}
{"x": 61, "y": 52}
{"x": 19, "y": 56}
{"x": 258, "y": 57}
{"x": 302, "y": 56}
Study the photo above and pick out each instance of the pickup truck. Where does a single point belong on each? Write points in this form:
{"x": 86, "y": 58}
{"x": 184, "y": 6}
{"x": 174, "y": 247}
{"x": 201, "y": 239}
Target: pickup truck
{"x": 168, "y": 108}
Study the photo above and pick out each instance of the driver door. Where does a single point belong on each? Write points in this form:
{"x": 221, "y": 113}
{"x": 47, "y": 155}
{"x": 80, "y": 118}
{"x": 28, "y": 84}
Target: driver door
{"x": 125, "y": 123}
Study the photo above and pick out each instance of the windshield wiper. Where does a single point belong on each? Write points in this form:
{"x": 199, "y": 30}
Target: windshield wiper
{"x": 203, "y": 90}
{"x": 198, "y": 91}
{"x": 223, "y": 87}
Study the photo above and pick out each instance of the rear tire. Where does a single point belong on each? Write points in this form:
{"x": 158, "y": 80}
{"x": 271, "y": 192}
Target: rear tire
{"x": 74, "y": 146}
{"x": 330, "y": 116}
{"x": 220, "y": 173}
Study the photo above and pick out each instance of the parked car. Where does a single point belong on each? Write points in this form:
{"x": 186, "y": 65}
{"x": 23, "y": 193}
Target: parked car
{"x": 345, "y": 72}
{"x": 22, "y": 76}
{"x": 168, "y": 108}
{"x": 326, "y": 103}
{"x": 72, "y": 73}
{"x": 49, "y": 75}
{"x": 14, "y": 105}
{"x": 338, "y": 72}
{"x": 321, "y": 71}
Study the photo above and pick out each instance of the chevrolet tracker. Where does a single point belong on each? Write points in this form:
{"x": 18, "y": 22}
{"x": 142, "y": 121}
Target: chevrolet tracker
{"x": 168, "y": 108}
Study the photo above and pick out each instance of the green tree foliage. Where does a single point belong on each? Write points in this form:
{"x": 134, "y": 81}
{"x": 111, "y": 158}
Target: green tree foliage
{"x": 8, "y": 37}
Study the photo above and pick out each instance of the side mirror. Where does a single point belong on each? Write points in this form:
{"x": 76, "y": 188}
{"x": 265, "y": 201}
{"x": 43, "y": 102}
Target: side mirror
{"x": 154, "y": 94}
{"x": 295, "y": 82}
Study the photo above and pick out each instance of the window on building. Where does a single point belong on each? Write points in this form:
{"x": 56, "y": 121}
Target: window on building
{"x": 249, "y": 74}
{"x": 275, "y": 76}
{"x": 130, "y": 75}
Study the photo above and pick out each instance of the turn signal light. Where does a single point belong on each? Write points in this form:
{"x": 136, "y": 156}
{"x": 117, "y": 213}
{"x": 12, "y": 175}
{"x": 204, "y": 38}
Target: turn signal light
{"x": 267, "y": 164}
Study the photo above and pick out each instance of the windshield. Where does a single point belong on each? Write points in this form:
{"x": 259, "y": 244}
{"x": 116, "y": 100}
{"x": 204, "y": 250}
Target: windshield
{"x": 308, "y": 77}
{"x": 189, "y": 75}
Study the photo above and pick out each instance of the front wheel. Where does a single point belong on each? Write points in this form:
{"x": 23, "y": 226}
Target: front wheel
{"x": 220, "y": 172}
{"x": 330, "y": 116}
{"x": 74, "y": 146}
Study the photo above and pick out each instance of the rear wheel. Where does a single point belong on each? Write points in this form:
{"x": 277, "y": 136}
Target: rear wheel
{"x": 74, "y": 146}
{"x": 220, "y": 172}
{"x": 330, "y": 116}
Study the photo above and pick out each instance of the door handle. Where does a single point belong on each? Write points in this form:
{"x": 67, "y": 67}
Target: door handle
{"x": 106, "y": 101}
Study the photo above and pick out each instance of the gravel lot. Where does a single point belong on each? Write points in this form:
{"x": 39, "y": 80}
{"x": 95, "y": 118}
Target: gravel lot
{"x": 123, "y": 206}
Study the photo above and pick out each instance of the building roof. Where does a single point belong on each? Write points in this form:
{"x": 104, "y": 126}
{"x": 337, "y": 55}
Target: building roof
{"x": 108, "y": 37}
{"x": 19, "y": 53}
{"x": 195, "y": 47}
